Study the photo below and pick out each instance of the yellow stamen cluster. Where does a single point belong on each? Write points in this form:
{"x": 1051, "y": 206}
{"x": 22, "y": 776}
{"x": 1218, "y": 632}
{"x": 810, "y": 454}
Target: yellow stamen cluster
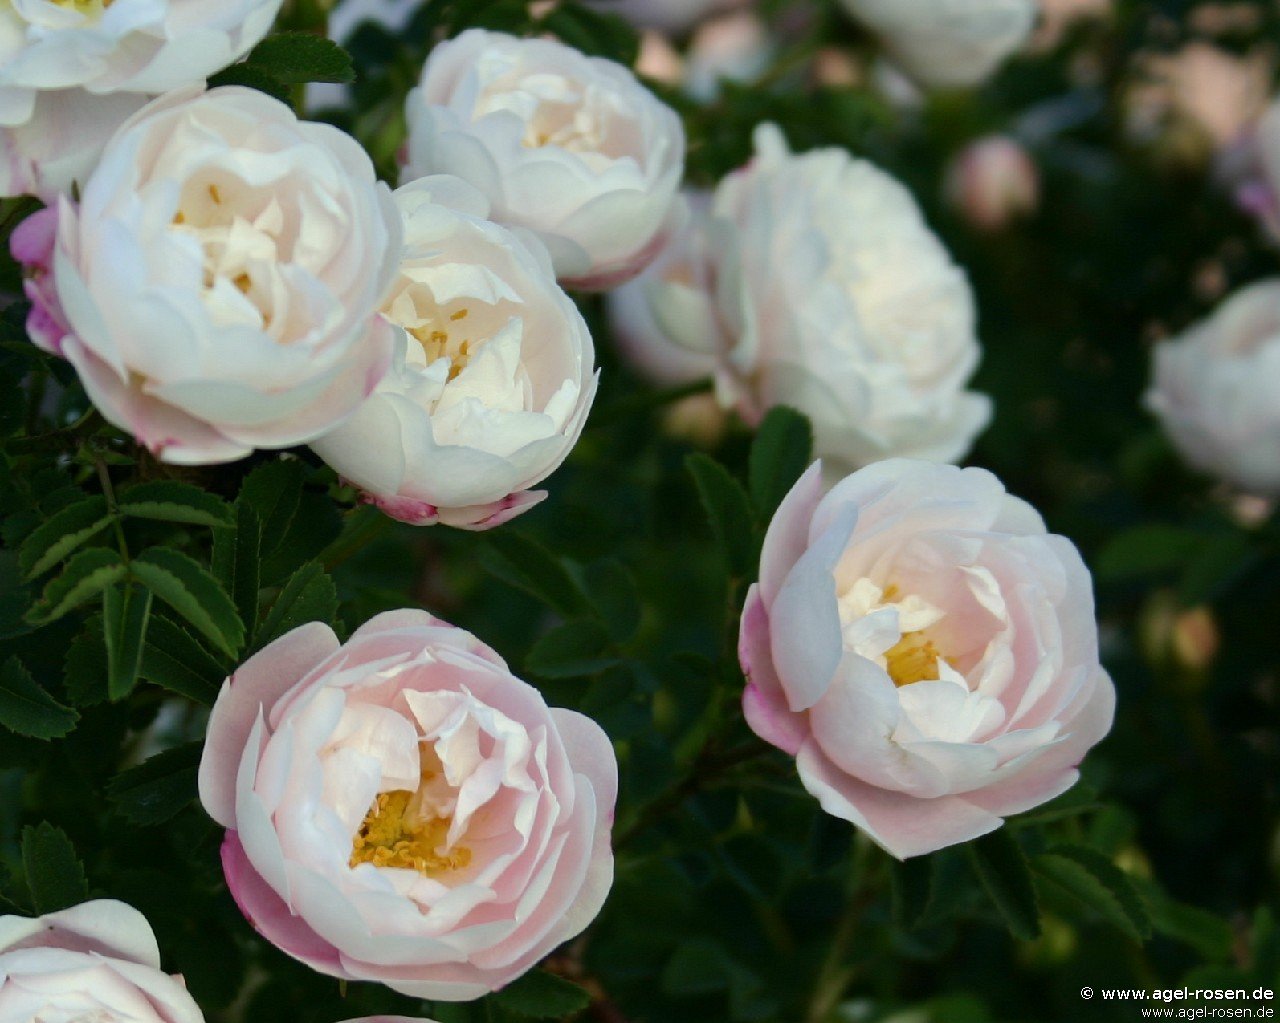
{"x": 392, "y": 835}
{"x": 912, "y": 659}
{"x": 437, "y": 343}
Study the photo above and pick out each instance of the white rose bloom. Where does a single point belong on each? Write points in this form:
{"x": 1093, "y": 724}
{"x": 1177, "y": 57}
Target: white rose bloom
{"x": 948, "y": 42}
{"x": 492, "y": 378}
{"x": 1216, "y": 390}
{"x": 93, "y": 963}
{"x": 71, "y": 71}
{"x": 571, "y": 147}
{"x": 217, "y": 288}
{"x": 832, "y": 295}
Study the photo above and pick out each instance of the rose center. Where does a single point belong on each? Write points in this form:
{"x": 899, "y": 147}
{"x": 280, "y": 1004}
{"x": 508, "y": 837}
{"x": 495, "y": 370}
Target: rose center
{"x": 405, "y": 829}
{"x": 914, "y": 656}
{"x": 440, "y": 339}
{"x": 912, "y": 659}
{"x": 90, "y": 9}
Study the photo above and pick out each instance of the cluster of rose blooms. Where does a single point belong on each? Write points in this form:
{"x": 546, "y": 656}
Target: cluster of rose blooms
{"x": 225, "y": 277}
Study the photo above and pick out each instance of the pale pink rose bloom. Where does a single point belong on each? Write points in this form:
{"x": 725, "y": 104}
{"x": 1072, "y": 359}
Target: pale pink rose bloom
{"x": 402, "y": 809}
{"x": 734, "y": 47}
{"x": 993, "y": 182}
{"x": 1216, "y": 390}
{"x": 828, "y": 292}
{"x": 71, "y": 73}
{"x": 948, "y": 43}
{"x": 925, "y": 650}
{"x": 217, "y": 286}
{"x": 95, "y": 961}
{"x": 492, "y": 378}
{"x": 570, "y": 147}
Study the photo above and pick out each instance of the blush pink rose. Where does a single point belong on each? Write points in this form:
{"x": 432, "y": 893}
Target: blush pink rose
{"x": 401, "y": 808}
{"x": 925, "y": 649}
{"x": 96, "y": 961}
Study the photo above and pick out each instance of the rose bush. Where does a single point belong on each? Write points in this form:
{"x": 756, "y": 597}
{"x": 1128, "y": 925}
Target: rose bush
{"x": 492, "y": 377}
{"x": 1213, "y": 388}
{"x": 400, "y": 808}
{"x": 96, "y": 961}
{"x": 216, "y": 288}
{"x": 571, "y": 147}
{"x": 925, "y": 650}
{"x": 72, "y": 72}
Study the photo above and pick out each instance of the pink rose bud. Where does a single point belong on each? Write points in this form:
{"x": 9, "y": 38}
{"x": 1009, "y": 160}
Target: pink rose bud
{"x": 925, "y": 650}
{"x": 401, "y": 808}
{"x": 993, "y": 182}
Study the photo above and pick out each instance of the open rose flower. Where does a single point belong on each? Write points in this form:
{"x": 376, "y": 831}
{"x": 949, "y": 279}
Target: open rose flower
{"x": 96, "y": 961}
{"x": 827, "y": 291}
{"x": 925, "y": 650}
{"x": 217, "y": 287}
{"x": 1216, "y": 390}
{"x": 402, "y": 809}
{"x": 71, "y": 72}
{"x": 948, "y": 42}
{"x": 571, "y": 147}
{"x": 492, "y": 378}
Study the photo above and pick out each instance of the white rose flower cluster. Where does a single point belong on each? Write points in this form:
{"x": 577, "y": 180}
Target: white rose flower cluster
{"x": 71, "y": 71}
{"x": 231, "y": 278}
{"x": 819, "y": 285}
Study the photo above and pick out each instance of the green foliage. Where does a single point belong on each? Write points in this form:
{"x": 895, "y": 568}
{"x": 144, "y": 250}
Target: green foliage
{"x": 27, "y": 708}
{"x": 54, "y": 875}
{"x": 160, "y": 787}
{"x": 1002, "y": 868}
{"x": 542, "y": 995}
{"x": 728, "y": 510}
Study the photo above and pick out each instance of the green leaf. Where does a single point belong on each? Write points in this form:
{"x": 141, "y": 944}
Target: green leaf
{"x": 274, "y": 490}
{"x": 176, "y": 660}
{"x": 296, "y": 58}
{"x": 84, "y": 577}
{"x": 779, "y": 456}
{"x": 27, "y": 709}
{"x": 158, "y": 788}
{"x": 251, "y": 76}
{"x": 54, "y": 873}
{"x": 1001, "y": 866}
{"x": 1099, "y": 884}
{"x": 521, "y": 561}
{"x": 1207, "y": 933}
{"x": 1080, "y": 798}
{"x": 1147, "y": 550}
{"x": 237, "y": 563}
{"x": 616, "y": 598}
{"x": 85, "y": 666}
{"x": 912, "y": 890}
{"x": 308, "y": 596}
{"x": 125, "y": 611}
{"x": 542, "y": 995}
{"x": 56, "y": 539}
{"x": 571, "y": 650}
{"x": 1216, "y": 565}
{"x": 195, "y": 594}
{"x": 170, "y": 501}
{"x": 315, "y": 525}
{"x": 728, "y": 509}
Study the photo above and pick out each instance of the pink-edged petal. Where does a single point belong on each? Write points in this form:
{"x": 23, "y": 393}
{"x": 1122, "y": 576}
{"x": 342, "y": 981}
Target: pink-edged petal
{"x": 591, "y": 754}
{"x": 252, "y": 687}
{"x": 389, "y": 1019}
{"x": 901, "y": 825}
{"x": 102, "y": 926}
{"x": 270, "y": 917}
{"x": 804, "y": 620}
{"x": 788, "y": 533}
{"x": 763, "y": 702}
